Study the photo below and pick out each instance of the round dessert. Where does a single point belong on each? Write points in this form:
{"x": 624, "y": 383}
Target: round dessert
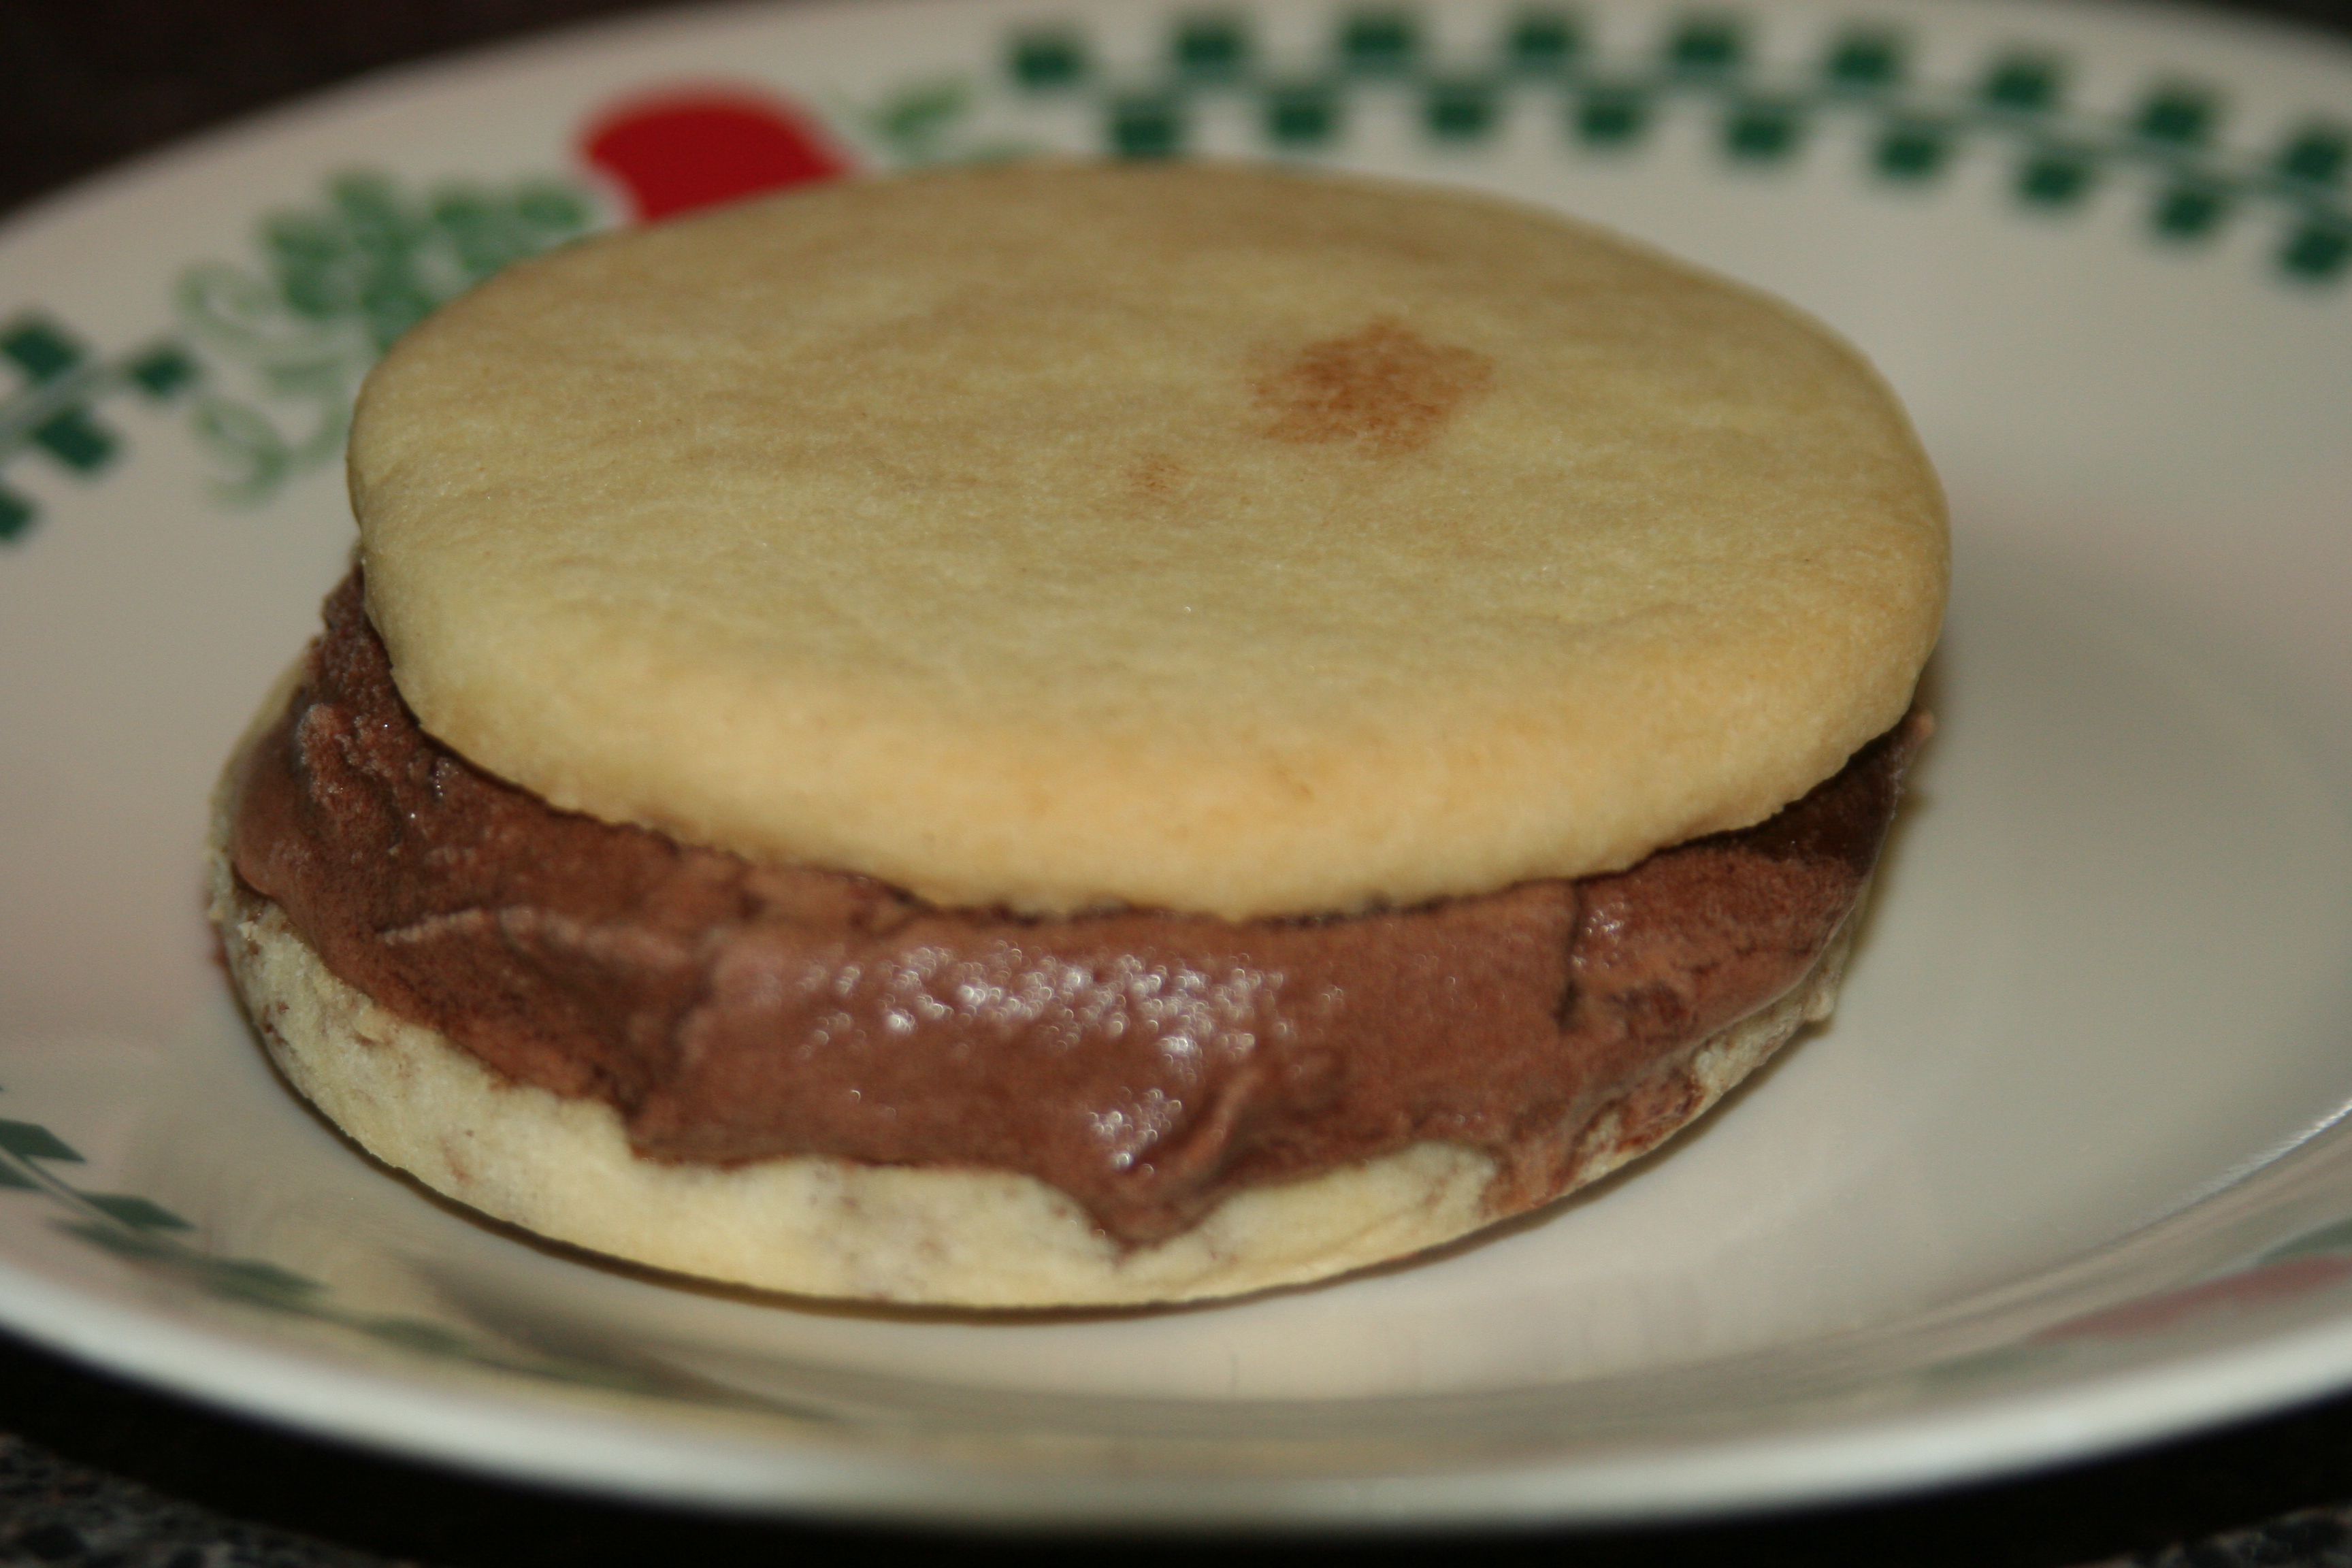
{"x": 1062, "y": 734}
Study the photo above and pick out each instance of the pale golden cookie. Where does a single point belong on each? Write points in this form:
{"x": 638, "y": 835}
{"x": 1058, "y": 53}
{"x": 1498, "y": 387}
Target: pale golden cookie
{"x": 1203, "y": 537}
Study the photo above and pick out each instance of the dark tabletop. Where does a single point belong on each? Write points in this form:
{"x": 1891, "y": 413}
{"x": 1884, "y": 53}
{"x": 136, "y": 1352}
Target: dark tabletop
{"x": 96, "y": 1472}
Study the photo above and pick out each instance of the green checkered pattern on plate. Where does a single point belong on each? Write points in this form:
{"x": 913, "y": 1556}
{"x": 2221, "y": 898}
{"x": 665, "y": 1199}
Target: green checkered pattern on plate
{"x": 265, "y": 350}
{"x": 54, "y": 410}
{"x": 1542, "y": 61}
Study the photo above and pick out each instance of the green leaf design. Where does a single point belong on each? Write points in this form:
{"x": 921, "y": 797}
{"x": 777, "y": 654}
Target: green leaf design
{"x": 1613, "y": 116}
{"x": 1148, "y": 126}
{"x": 410, "y": 1334}
{"x": 53, "y": 410}
{"x": 1300, "y": 115}
{"x": 2315, "y": 155}
{"x": 2056, "y": 177}
{"x": 1544, "y": 40}
{"x": 918, "y": 118}
{"x": 1866, "y": 60}
{"x": 1043, "y": 58}
{"x": 1211, "y": 46}
{"x": 2318, "y": 251}
{"x": 1762, "y": 132}
{"x": 337, "y": 282}
{"x": 2329, "y": 1241}
{"x": 2028, "y": 83}
{"x": 28, "y": 1142}
{"x": 1380, "y": 42}
{"x": 926, "y": 120}
{"x": 262, "y": 1284}
{"x": 142, "y": 1245}
{"x": 1708, "y": 44}
{"x": 1459, "y": 110}
{"x": 145, "y": 1234}
{"x": 2189, "y": 212}
{"x": 137, "y": 1213}
{"x": 1913, "y": 150}
{"x": 2179, "y": 114}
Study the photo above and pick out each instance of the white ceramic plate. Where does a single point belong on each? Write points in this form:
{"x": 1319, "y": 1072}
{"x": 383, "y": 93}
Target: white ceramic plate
{"x": 2064, "y": 1174}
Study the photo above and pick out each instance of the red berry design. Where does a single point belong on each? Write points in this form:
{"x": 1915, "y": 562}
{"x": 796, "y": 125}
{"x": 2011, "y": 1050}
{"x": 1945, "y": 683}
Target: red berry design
{"x": 673, "y": 152}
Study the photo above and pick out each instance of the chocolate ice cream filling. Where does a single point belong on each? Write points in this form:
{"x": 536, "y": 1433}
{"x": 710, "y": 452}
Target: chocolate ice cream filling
{"x": 1146, "y": 1063}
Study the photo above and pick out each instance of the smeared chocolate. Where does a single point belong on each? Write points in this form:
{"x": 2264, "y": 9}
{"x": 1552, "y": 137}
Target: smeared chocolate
{"x": 1147, "y": 1064}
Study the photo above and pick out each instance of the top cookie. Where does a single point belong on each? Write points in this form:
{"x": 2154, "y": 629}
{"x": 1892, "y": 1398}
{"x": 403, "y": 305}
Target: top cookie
{"x": 1195, "y": 536}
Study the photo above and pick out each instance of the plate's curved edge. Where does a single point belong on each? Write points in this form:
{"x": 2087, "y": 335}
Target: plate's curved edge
{"x": 891, "y": 1481}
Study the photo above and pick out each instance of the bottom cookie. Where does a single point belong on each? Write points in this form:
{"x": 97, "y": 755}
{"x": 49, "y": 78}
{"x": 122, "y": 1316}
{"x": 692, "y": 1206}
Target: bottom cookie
{"x": 937, "y": 1235}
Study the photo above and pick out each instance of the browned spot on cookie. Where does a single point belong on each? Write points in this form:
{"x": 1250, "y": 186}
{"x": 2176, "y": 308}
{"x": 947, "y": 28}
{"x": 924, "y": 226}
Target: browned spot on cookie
{"x": 1155, "y": 477}
{"x": 1384, "y": 387}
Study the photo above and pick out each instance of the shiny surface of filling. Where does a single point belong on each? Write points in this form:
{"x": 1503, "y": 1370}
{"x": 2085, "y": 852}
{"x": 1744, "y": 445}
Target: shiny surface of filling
{"x": 1145, "y": 1063}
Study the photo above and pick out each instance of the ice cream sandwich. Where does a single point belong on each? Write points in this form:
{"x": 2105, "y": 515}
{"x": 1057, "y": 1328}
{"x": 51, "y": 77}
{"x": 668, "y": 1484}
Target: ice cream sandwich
{"x": 1057, "y": 733}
